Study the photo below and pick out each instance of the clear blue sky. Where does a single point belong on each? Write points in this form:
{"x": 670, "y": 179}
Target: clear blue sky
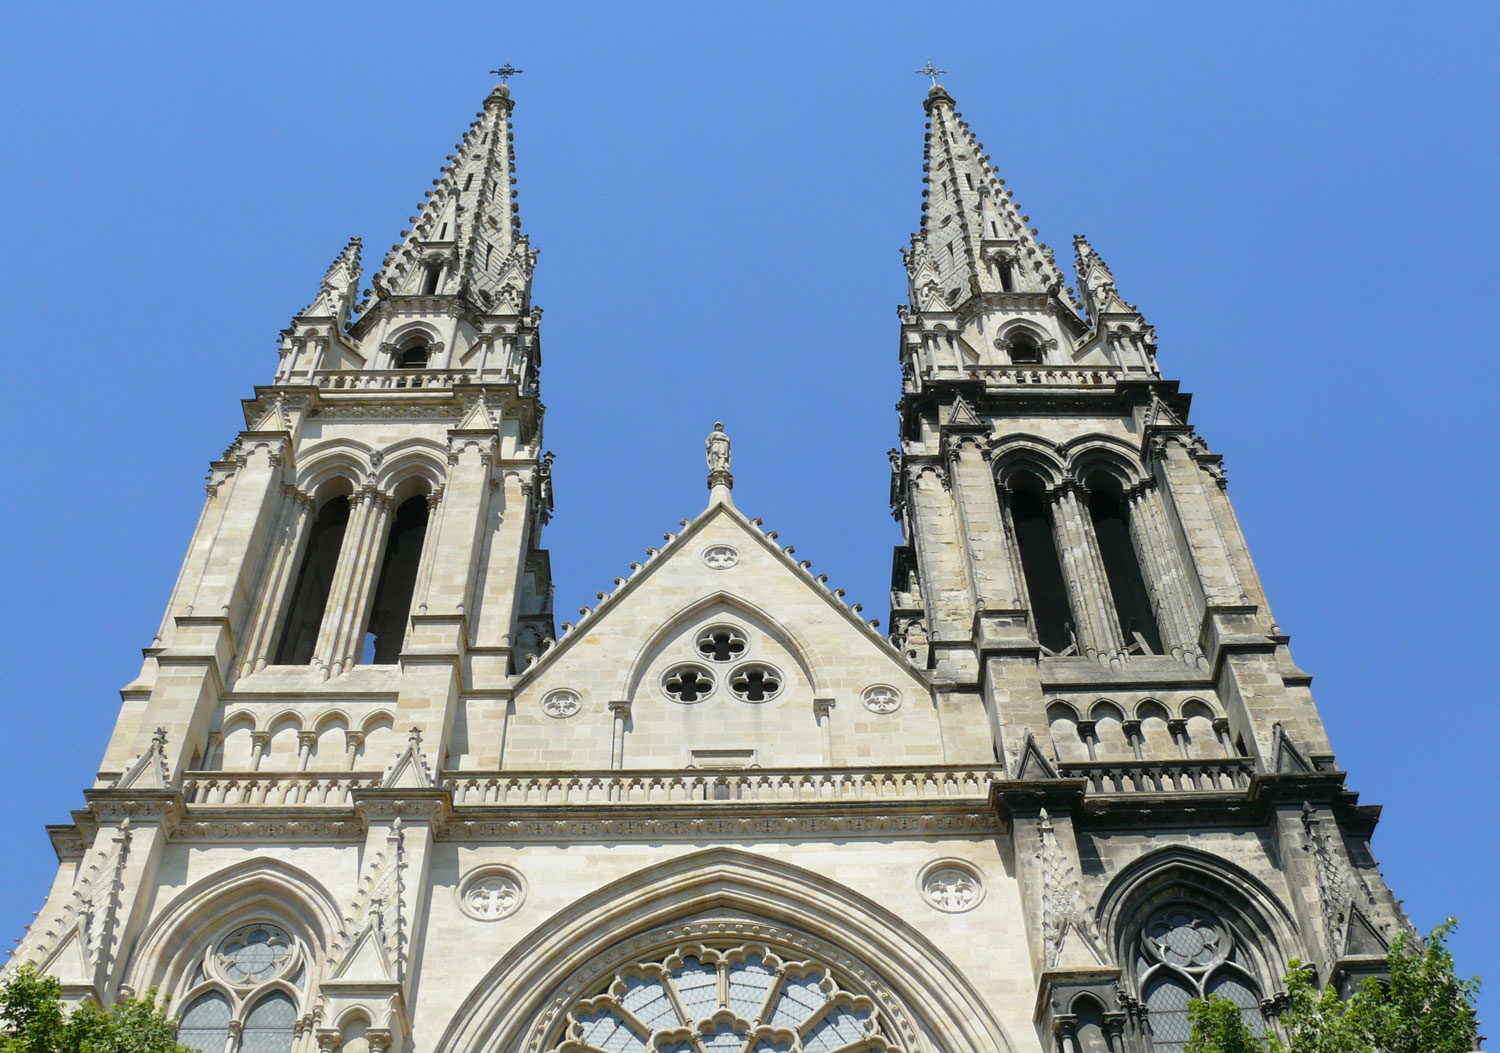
{"x": 1301, "y": 197}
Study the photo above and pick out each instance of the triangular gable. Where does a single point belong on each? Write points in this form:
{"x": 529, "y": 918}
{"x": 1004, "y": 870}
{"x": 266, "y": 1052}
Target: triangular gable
{"x": 1077, "y": 950}
{"x": 410, "y": 772}
{"x": 679, "y": 545}
{"x": 1287, "y": 758}
{"x": 1361, "y": 937}
{"x": 962, "y": 413}
{"x": 365, "y": 960}
{"x": 1033, "y": 764}
{"x": 274, "y": 418}
{"x": 478, "y": 418}
{"x": 148, "y": 771}
{"x": 67, "y": 960}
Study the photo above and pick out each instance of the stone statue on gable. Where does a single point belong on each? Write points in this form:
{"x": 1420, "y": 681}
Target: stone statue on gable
{"x": 716, "y": 449}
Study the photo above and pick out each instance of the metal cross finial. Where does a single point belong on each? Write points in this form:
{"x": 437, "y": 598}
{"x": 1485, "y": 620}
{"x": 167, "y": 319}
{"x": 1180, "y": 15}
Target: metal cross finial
{"x": 506, "y": 72}
{"x": 932, "y": 71}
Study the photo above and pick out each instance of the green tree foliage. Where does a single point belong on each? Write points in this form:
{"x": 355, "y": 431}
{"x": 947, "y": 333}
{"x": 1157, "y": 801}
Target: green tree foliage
{"x": 1427, "y": 1009}
{"x": 34, "y": 1021}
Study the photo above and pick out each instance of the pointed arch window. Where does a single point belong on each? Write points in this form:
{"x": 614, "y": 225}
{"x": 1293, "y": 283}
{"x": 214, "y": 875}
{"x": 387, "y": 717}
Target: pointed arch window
{"x": 397, "y": 583}
{"x": 413, "y": 356}
{"x": 1127, "y": 585}
{"x": 299, "y": 635}
{"x": 1025, "y": 349}
{"x": 1040, "y": 567}
{"x": 252, "y": 976}
{"x": 270, "y": 1026}
{"x": 1185, "y": 951}
{"x": 205, "y": 1024}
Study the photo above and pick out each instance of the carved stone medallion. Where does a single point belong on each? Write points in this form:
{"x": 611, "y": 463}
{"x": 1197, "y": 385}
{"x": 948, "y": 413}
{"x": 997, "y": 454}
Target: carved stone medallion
{"x": 720, "y": 557}
{"x": 882, "y": 698}
{"x": 561, "y": 704}
{"x": 490, "y": 893}
{"x": 951, "y": 886}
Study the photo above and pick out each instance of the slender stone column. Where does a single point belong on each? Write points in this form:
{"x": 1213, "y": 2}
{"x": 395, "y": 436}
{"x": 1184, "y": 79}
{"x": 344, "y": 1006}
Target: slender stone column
{"x": 620, "y": 710}
{"x": 982, "y": 531}
{"x": 458, "y": 534}
{"x": 354, "y": 578}
{"x": 260, "y": 741}
{"x": 353, "y": 742}
{"x": 946, "y": 589}
{"x": 1098, "y": 627}
{"x": 1177, "y": 613}
{"x": 281, "y": 569}
{"x": 307, "y": 741}
{"x": 1195, "y": 517}
{"x": 429, "y": 550}
{"x": 822, "y": 712}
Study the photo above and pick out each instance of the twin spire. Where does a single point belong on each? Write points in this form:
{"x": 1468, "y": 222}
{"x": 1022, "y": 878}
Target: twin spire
{"x": 467, "y": 241}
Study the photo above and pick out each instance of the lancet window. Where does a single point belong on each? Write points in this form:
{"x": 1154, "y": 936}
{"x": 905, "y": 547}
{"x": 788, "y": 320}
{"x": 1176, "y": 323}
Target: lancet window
{"x": 1032, "y": 522}
{"x": 1127, "y": 585}
{"x": 242, "y": 995}
{"x": 1185, "y": 951}
{"x": 299, "y": 635}
{"x": 725, "y": 1000}
{"x": 397, "y": 583}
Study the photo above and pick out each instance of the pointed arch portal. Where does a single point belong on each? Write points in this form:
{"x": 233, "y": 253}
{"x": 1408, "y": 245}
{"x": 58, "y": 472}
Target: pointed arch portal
{"x": 726, "y": 906}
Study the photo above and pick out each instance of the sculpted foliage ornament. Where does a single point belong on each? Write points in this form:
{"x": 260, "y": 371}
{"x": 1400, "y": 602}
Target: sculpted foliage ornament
{"x": 725, "y": 999}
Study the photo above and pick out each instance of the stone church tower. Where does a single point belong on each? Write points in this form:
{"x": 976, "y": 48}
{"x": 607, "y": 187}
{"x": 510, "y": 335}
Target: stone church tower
{"x": 364, "y": 795}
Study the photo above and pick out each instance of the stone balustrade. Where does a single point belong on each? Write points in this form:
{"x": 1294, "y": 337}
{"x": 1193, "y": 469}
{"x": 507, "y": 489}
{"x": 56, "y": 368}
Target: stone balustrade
{"x": 1070, "y": 376}
{"x": 751, "y": 785}
{"x": 263, "y": 789}
{"x": 1206, "y": 775}
{"x": 391, "y": 379}
{"x": 747, "y": 785}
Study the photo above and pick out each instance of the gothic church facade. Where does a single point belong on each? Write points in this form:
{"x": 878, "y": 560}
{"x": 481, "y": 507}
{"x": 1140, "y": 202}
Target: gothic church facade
{"x": 366, "y": 795}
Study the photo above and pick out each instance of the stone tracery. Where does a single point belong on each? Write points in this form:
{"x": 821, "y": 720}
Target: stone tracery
{"x": 741, "y": 999}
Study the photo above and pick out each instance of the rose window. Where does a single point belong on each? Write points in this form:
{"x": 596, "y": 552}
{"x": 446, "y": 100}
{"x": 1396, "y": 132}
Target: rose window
{"x": 755, "y": 683}
{"x": 687, "y": 683}
{"x": 740, "y": 1000}
{"x": 722, "y": 644}
{"x": 1183, "y": 936}
{"x": 254, "y": 953}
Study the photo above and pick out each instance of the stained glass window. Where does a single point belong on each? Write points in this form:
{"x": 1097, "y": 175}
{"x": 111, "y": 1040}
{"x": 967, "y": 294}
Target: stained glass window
{"x": 729, "y": 999}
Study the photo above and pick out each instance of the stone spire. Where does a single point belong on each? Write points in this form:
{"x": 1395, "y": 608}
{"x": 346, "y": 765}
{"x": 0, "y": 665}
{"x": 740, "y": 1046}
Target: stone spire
{"x": 336, "y": 295}
{"x": 1096, "y": 283}
{"x": 974, "y": 239}
{"x": 467, "y": 241}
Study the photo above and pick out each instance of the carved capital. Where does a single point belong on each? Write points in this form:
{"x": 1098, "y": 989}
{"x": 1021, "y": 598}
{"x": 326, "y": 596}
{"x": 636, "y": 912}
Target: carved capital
{"x": 620, "y": 709}
{"x": 260, "y": 738}
{"x": 822, "y": 707}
